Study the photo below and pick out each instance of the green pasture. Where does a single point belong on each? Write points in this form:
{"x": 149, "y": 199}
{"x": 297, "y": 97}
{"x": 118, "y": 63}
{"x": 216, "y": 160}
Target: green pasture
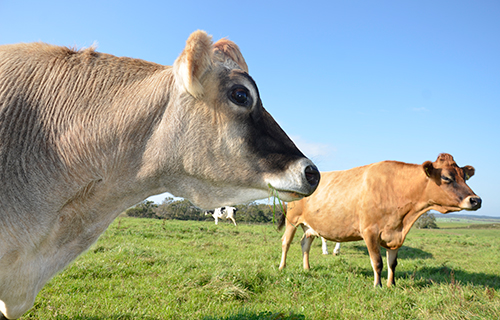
{"x": 158, "y": 269}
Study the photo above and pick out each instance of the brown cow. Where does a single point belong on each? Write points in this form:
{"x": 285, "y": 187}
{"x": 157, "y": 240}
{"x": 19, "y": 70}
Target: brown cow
{"x": 378, "y": 203}
{"x": 85, "y": 135}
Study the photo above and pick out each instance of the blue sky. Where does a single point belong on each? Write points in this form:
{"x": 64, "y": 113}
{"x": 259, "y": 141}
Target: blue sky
{"x": 352, "y": 82}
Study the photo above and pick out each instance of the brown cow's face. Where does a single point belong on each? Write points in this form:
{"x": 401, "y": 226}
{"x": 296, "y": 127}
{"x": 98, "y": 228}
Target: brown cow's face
{"x": 233, "y": 149}
{"x": 451, "y": 191}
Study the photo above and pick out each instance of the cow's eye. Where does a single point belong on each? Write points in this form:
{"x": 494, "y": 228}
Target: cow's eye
{"x": 240, "y": 96}
{"x": 446, "y": 179}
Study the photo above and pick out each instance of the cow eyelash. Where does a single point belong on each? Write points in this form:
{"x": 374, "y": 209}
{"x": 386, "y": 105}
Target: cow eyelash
{"x": 446, "y": 179}
{"x": 240, "y": 95}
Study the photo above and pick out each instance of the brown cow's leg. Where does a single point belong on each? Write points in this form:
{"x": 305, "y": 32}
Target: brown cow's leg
{"x": 375, "y": 257}
{"x": 306, "y": 247}
{"x": 392, "y": 262}
{"x": 286, "y": 240}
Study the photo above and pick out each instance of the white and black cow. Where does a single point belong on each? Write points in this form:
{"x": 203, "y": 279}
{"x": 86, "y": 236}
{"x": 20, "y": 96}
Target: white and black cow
{"x": 223, "y": 213}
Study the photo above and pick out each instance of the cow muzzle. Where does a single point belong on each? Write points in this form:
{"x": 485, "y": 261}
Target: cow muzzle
{"x": 471, "y": 203}
{"x": 300, "y": 180}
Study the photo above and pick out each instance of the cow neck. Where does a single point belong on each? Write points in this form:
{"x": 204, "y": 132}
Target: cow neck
{"x": 418, "y": 202}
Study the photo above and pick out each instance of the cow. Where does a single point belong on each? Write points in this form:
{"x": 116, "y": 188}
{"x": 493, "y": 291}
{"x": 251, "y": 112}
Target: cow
{"x": 223, "y": 213}
{"x": 85, "y": 135}
{"x": 324, "y": 247}
{"x": 377, "y": 203}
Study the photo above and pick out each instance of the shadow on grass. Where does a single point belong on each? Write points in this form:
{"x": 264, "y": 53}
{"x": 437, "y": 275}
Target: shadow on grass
{"x": 266, "y": 315}
{"x": 108, "y": 317}
{"x": 426, "y": 276}
{"x": 403, "y": 253}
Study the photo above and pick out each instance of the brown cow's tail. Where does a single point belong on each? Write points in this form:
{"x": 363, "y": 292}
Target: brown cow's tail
{"x": 282, "y": 217}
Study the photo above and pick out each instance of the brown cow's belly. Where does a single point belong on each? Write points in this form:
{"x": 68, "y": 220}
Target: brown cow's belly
{"x": 344, "y": 239}
{"x": 335, "y": 233}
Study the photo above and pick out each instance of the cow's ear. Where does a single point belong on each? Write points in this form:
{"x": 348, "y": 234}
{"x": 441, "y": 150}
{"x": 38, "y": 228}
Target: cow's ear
{"x": 194, "y": 61}
{"x": 225, "y": 49}
{"x": 428, "y": 169}
{"x": 468, "y": 172}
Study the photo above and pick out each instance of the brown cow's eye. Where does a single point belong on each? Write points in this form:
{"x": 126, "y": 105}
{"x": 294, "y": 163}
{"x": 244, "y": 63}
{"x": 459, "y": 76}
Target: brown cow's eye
{"x": 241, "y": 96}
{"x": 446, "y": 179}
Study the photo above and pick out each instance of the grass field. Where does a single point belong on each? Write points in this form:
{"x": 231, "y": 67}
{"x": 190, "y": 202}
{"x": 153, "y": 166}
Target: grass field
{"x": 152, "y": 269}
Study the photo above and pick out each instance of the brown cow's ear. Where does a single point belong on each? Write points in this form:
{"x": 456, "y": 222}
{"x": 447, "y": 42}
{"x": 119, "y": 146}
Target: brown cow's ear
{"x": 428, "y": 168}
{"x": 194, "y": 61}
{"x": 225, "y": 49}
{"x": 468, "y": 171}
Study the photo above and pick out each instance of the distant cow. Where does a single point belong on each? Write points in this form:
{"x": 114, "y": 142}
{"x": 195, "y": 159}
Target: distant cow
{"x": 223, "y": 213}
{"x": 378, "y": 203}
{"x": 85, "y": 135}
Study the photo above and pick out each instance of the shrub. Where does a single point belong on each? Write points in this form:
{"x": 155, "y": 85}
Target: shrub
{"x": 145, "y": 209}
{"x": 426, "y": 221}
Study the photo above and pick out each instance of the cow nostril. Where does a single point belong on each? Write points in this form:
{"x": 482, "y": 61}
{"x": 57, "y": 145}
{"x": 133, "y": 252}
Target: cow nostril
{"x": 312, "y": 176}
{"x": 475, "y": 202}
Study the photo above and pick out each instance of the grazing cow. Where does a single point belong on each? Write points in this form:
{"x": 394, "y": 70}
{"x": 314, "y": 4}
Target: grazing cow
{"x": 324, "y": 247}
{"x": 378, "y": 203}
{"x": 85, "y": 135}
{"x": 223, "y": 213}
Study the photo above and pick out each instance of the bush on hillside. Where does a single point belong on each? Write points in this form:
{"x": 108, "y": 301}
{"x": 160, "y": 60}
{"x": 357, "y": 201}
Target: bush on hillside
{"x": 426, "y": 221}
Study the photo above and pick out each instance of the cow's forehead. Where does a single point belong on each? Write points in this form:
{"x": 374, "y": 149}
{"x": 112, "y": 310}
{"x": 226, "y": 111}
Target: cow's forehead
{"x": 445, "y": 160}
{"x": 450, "y": 168}
{"x": 455, "y": 171}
